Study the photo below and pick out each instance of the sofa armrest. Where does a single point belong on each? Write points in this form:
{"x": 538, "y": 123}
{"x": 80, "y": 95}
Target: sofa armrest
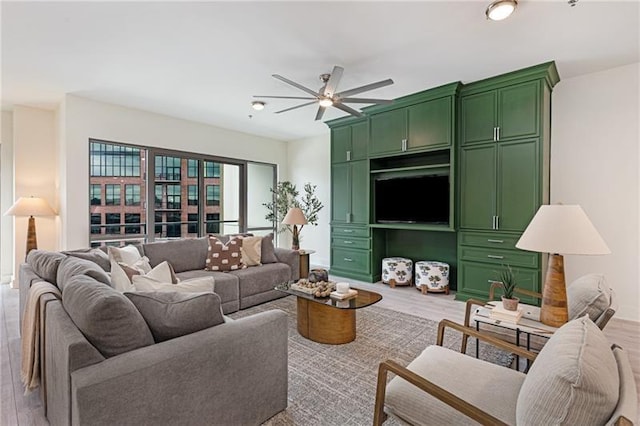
{"x": 291, "y": 258}
{"x": 234, "y": 373}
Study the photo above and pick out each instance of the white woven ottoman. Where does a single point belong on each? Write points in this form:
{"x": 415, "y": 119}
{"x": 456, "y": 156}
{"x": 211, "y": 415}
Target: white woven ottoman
{"x": 432, "y": 276}
{"x": 397, "y": 271}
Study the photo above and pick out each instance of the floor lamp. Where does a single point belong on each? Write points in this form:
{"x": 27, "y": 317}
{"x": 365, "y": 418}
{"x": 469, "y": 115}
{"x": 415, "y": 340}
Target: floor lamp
{"x": 295, "y": 217}
{"x": 560, "y": 229}
{"x": 31, "y": 206}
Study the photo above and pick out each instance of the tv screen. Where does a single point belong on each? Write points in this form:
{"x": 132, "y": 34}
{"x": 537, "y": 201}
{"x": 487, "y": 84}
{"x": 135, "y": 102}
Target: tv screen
{"x": 415, "y": 199}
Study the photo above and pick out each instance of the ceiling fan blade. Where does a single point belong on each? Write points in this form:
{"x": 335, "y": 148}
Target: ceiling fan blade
{"x": 295, "y": 107}
{"x": 347, "y": 109}
{"x": 366, "y": 100}
{"x": 334, "y": 79}
{"x": 294, "y": 84}
{"x": 364, "y": 88}
{"x": 320, "y": 112}
{"x": 283, "y": 97}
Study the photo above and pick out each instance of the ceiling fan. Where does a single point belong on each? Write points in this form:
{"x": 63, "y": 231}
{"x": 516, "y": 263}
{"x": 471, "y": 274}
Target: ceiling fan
{"x": 327, "y": 95}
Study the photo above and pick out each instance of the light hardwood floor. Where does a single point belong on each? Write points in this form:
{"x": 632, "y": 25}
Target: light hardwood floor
{"x": 19, "y": 409}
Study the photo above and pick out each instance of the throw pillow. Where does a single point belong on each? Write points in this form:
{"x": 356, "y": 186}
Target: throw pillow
{"x": 95, "y": 255}
{"x": 172, "y": 314}
{"x": 223, "y": 257}
{"x": 251, "y": 251}
{"x": 72, "y": 266}
{"x": 573, "y": 381}
{"x": 268, "y": 251}
{"x": 108, "y": 320}
{"x": 122, "y": 275}
{"x": 589, "y": 295}
{"x": 193, "y": 285}
{"x": 45, "y": 264}
{"x": 128, "y": 254}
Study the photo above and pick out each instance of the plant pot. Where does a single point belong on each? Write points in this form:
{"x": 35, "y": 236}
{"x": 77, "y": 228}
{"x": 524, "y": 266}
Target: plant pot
{"x": 510, "y": 304}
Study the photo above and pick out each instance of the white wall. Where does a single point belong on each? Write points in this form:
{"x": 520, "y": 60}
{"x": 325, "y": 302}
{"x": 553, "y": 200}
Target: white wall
{"x": 594, "y": 163}
{"x": 84, "y": 119}
{"x": 309, "y": 161}
{"x": 6, "y": 198}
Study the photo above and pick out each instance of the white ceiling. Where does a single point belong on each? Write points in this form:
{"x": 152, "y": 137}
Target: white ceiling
{"x": 204, "y": 61}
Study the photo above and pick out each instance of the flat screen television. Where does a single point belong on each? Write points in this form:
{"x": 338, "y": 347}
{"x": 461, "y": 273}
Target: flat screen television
{"x": 415, "y": 199}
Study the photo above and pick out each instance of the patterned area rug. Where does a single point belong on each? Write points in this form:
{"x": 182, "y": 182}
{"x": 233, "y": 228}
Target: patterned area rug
{"x": 336, "y": 384}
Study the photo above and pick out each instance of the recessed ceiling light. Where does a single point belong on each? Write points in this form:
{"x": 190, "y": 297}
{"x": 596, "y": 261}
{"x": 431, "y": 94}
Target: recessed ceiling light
{"x": 501, "y": 9}
{"x": 257, "y": 105}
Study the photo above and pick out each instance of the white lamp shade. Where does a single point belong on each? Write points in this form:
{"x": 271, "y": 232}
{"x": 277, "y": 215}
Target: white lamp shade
{"x": 30, "y": 206}
{"x": 562, "y": 229}
{"x": 295, "y": 217}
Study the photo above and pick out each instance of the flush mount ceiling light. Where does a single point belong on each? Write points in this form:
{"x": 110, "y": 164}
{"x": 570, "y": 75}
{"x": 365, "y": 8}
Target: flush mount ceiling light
{"x": 257, "y": 105}
{"x": 501, "y": 9}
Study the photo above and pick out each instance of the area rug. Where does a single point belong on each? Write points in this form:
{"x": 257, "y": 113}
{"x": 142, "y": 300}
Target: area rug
{"x": 336, "y": 384}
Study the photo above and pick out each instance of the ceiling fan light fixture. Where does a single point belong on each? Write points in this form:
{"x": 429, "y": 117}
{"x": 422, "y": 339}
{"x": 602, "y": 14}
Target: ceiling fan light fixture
{"x": 326, "y": 102}
{"x": 257, "y": 105}
{"x": 500, "y": 9}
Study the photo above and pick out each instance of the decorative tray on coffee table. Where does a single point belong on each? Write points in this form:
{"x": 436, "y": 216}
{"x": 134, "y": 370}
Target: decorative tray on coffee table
{"x": 317, "y": 289}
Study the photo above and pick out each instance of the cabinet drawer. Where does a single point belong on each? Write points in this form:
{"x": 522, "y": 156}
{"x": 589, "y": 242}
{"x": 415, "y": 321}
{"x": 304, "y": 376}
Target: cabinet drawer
{"x": 492, "y": 240}
{"x": 349, "y": 231}
{"x": 474, "y": 279}
{"x": 500, "y": 257}
{"x": 350, "y": 260}
{"x": 349, "y": 242}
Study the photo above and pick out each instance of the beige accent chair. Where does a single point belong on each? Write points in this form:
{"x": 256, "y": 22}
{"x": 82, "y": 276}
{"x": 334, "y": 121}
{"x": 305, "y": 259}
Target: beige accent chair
{"x": 578, "y": 378}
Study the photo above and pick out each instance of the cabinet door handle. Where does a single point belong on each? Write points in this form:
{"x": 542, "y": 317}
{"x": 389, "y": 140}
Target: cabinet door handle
{"x": 348, "y": 155}
{"x": 494, "y": 281}
{"x": 348, "y": 231}
{"x": 348, "y": 217}
{"x": 494, "y": 134}
{"x": 495, "y": 241}
{"x": 497, "y": 222}
{"x": 347, "y": 242}
{"x": 347, "y": 259}
{"x": 497, "y": 133}
{"x": 493, "y": 222}
{"x": 404, "y": 145}
{"x": 493, "y": 256}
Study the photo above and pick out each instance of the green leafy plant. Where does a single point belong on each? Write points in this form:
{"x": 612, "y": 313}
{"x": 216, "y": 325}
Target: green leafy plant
{"x": 509, "y": 281}
{"x": 285, "y": 196}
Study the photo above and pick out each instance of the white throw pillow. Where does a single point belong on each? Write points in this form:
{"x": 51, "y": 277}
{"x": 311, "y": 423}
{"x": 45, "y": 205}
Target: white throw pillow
{"x": 123, "y": 281}
{"x": 127, "y": 254}
{"x": 193, "y": 285}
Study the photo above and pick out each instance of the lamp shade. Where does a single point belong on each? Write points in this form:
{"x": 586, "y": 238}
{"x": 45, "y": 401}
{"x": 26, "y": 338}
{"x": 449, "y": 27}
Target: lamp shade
{"x": 294, "y": 217}
{"x": 562, "y": 229}
{"x": 30, "y": 206}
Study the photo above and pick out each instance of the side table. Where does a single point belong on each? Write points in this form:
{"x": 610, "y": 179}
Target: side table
{"x": 304, "y": 262}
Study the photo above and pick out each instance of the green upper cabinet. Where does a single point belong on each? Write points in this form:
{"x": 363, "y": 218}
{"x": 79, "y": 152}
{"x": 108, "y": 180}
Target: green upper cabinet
{"x": 349, "y": 142}
{"x": 420, "y": 122}
{"x": 501, "y": 114}
{"x": 350, "y": 192}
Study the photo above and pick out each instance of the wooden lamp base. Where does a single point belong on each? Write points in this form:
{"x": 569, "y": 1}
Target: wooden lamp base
{"x": 554, "y": 311}
{"x": 32, "y": 242}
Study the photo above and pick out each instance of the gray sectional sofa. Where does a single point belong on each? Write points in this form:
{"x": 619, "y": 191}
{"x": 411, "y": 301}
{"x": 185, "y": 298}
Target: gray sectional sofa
{"x": 231, "y": 373}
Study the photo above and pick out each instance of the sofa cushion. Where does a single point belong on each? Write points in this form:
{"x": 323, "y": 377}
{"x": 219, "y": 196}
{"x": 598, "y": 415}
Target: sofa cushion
{"x": 172, "y": 314}
{"x": 226, "y": 286}
{"x": 194, "y": 285}
{"x": 573, "y": 381}
{"x": 224, "y": 257}
{"x": 183, "y": 255}
{"x": 268, "y": 253}
{"x": 588, "y": 295}
{"x": 95, "y": 255}
{"x": 251, "y": 251}
{"x": 128, "y": 254}
{"x": 108, "y": 319}
{"x": 72, "y": 266}
{"x": 45, "y": 264}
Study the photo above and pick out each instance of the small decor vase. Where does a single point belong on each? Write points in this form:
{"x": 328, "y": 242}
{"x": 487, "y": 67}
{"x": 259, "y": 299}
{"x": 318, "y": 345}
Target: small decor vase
{"x": 510, "y": 304}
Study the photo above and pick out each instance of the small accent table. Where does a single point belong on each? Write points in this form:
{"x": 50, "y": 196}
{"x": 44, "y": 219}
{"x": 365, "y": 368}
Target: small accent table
{"x": 304, "y": 262}
{"x": 528, "y": 325}
{"x": 328, "y": 320}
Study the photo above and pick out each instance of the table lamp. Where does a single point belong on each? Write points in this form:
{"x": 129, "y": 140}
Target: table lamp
{"x": 31, "y": 206}
{"x": 295, "y": 217}
{"x": 559, "y": 229}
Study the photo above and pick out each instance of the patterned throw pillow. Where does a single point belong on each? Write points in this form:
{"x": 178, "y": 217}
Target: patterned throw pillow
{"x": 224, "y": 257}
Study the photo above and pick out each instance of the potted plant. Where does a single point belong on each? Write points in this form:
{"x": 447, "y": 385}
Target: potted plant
{"x": 508, "y": 280}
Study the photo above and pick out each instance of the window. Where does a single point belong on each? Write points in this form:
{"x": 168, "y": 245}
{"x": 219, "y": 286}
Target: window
{"x": 112, "y": 218}
{"x": 211, "y": 169}
{"x": 213, "y": 195}
{"x": 192, "y": 165}
{"x": 158, "y": 219}
{"x": 112, "y": 195}
{"x": 173, "y": 197}
{"x": 192, "y": 195}
{"x": 132, "y": 195}
{"x": 173, "y": 230}
{"x": 213, "y": 223}
{"x": 167, "y": 168}
{"x": 132, "y": 218}
{"x": 158, "y": 197}
{"x": 96, "y": 221}
{"x": 192, "y": 227}
{"x": 95, "y": 194}
{"x": 114, "y": 160}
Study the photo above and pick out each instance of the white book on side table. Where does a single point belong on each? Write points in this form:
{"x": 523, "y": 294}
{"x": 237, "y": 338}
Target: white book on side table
{"x": 500, "y": 313}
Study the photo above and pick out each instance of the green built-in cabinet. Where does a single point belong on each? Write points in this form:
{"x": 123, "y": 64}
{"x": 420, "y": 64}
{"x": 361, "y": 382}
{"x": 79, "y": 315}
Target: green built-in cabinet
{"x": 491, "y": 136}
{"x": 503, "y": 176}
